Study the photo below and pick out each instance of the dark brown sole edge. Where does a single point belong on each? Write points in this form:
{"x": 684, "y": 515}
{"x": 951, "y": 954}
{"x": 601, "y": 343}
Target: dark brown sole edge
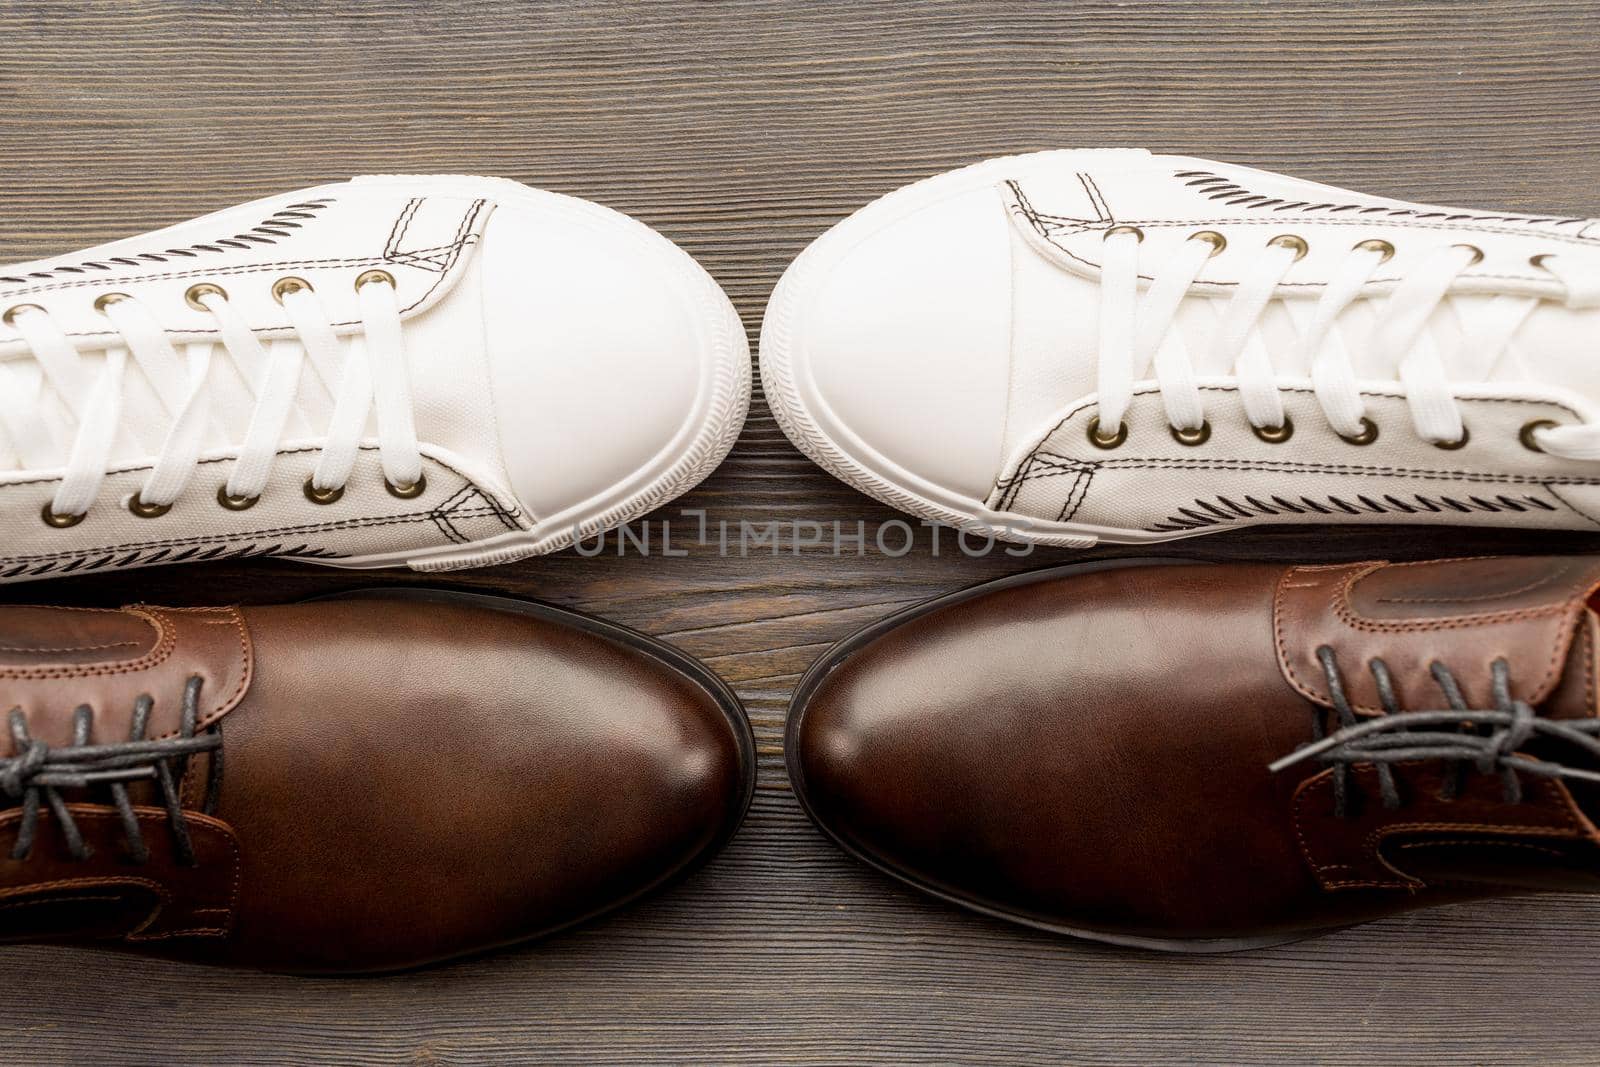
{"x": 674, "y": 658}
{"x": 844, "y": 649}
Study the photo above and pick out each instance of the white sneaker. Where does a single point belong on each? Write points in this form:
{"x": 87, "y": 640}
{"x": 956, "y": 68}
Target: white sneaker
{"x": 1082, "y": 346}
{"x": 438, "y": 372}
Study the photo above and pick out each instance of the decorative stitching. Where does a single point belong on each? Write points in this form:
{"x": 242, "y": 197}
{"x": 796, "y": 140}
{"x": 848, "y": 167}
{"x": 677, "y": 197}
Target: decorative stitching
{"x": 269, "y": 231}
{"x": 1245, "y": 464}
{"x": 1339, "y": 605}
{"x": 1480, "y": 843}
{"x": 1550, "y": 488}
{"x": 1189, "y": 519}
{"x": 231, "y": 616}
{"x": 1344, "y": 607}
{"x": 71, "y": 648}
{"x": 165, "y": 641}
{"x": 225, "y": 927}
{"x": 1235, "y": 195}
{"x": 140, "y": 549}
{"x": 163, "y": 897}
{"x": 1048, "y": 227}
{"x": 212, "y": 272}
{"x": 1321, "y": 782}
{"x": 1560, "y": 572}
{"x": 446, "y": 258}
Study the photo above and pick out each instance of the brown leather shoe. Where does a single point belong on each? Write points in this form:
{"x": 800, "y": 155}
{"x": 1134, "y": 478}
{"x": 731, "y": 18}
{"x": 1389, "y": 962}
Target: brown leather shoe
{"x": 1212, "y": 757}
{"x": 360, "y": 783}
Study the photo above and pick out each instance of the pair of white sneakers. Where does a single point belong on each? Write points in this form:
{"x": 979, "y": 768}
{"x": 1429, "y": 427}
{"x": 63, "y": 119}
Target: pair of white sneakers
{"x": 1062, "y": 348}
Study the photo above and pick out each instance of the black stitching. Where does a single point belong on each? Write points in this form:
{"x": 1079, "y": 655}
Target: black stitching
{"x": 1149, "y": 390}
{"x": 491, "y": 507}
{"x": 1371, "y": 208}
{"x": 1211, "y": 512}
{"x": 143, "y": 559}
{"x": 311, "y": 206}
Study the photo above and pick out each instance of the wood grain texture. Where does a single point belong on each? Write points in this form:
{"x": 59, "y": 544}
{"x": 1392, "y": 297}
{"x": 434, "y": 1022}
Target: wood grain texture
{"x": 741, "y": 129}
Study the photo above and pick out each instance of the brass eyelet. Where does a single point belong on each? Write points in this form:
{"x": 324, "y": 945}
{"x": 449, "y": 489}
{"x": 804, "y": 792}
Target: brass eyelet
{"x": 1100, "y": 440}
{"x": 408, "y": 492}
{"x": 372, "y": 276}
{"x": 1212, "y": 238}
{"x": 1451, "y": 446}
{"x": 105, "y": 300}
{"x": 323, "y": 496}
{"x": 1477, "y": 253}
{"x": 1191, "y": 437}
{"x": 1530, "y": 428}
{"x": 204, "y": 289}
{"x": 1384, "y": 249}
{"x": 1295, "y": 244}
{"x": 147, "y": 511}
{"x": 1275, "y": 435}
{"x": 60, "y": 522}
{"x": 1113, "y": 231}
{"x": 286, "y": 286}
{"x": 10, "y": 317}
{"x": 235, "y": 503}
{"x": 1368, "y": 434}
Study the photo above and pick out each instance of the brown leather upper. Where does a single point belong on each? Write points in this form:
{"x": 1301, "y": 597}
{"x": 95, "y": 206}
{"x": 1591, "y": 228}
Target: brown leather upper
{"x": 1089, "y": 751}
{"x": 402, "y": 780}
{"x": 54, "y": 659}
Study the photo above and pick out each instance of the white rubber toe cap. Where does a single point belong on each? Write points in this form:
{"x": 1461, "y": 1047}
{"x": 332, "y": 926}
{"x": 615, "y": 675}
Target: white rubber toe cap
{"x": 618, "y": 367}
{"x": 896, "y": 343}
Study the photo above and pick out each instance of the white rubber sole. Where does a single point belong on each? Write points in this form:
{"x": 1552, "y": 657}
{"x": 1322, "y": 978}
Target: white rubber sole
{"x": 809, "y": 422}
{"x": 702, "y": 442}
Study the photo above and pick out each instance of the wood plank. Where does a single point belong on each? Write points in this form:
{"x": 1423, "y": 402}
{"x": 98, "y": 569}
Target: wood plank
{"x": 742, "y": 129}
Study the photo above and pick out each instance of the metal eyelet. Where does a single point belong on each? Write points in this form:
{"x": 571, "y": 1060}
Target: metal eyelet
{"x": 374, "y": 276}
{"x": 10, "y": 317}
{"x": 1113, "y": 231}
{"x": 204, "y": 289}
{"x": 1382, "y": 247}
{"x": 1275, "y": 435}
{"x": 1451, "y": 446}
{"x": 286, "y": 286}
{"x": 1100, "y": 440}
{"x": 147, "y": 511}
{"x": 105, "y": 300}
{"x": 1530, "y": 442}
{"x": 1191, "y": 437}
{"x": 1477, "y": 253}
{"x": 1212, "y": 238}
{"x": 235, "y": 503}
{"x": 323, "y": 496}
{"x": 1295, "y": 244}
{"x": 60, "y": 522}
{"x": 407, "y": 492}
{"x": 1368, "y": 434}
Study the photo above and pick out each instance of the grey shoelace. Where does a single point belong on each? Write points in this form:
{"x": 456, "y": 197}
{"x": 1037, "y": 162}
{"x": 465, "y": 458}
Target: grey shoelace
{"x": 37, "y": 773}
{"x": 1487, "y": 740}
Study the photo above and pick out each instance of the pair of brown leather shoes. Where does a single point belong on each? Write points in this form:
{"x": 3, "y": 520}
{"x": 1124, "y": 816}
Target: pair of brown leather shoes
{"x": 1178, "y": 756}
{"x": 361, "y": 783}
{"x": 1210, "y": 757}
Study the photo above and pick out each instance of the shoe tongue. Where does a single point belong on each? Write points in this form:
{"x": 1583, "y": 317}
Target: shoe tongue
{"x": 1463, "y": 615}
{"x": 1555, "y": 347}
{"x": 39, "y": 639}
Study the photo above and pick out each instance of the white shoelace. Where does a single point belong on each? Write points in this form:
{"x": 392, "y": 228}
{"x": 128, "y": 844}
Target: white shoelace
{"x": 361, "y": 373}
{"x": 1138, "y": 334}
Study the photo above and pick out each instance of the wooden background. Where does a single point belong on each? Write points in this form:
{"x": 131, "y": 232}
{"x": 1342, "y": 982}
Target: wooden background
{"x": 742, "y": 129}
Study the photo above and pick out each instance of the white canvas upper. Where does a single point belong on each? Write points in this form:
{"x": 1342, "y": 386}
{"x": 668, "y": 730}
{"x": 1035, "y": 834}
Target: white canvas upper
{"x": 948, "y": 348}
{"x": 550, "y": 367}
